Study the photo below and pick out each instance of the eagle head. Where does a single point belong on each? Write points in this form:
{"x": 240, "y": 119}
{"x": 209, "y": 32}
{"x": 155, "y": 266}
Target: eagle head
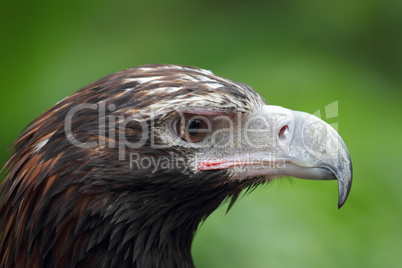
{"x": 121, "y": 173}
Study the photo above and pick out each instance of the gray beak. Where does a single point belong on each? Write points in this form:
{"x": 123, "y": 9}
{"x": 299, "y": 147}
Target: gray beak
{"x": 313, "y": 149}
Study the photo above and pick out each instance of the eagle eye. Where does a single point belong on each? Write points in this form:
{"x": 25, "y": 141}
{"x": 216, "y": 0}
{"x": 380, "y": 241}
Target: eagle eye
{"x": 192, "y": 128}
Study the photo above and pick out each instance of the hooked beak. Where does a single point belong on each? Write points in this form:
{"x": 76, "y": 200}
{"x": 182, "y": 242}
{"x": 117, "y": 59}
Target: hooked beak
{"x": 306, "y": 147}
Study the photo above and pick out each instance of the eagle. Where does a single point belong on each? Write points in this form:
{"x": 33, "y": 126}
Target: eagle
{"x": 122, "y": 172}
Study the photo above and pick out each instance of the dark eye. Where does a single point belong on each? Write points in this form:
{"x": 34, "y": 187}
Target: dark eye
{"x": 192, "y": 128}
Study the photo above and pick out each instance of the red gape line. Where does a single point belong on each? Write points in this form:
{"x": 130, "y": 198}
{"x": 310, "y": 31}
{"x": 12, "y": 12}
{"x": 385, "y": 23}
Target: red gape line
{"x": 219, "y": 164}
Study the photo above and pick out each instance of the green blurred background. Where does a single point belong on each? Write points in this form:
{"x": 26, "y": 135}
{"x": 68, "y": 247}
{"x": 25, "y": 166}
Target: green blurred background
{"x": 301, "y": 55}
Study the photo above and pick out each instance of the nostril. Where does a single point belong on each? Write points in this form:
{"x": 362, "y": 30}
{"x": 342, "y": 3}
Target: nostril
{"x": 283, "y": 133}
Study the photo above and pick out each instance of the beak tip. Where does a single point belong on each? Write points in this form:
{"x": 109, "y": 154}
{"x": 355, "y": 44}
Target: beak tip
{"x": 344, "y": 190}
{"x": 346, "y": 178}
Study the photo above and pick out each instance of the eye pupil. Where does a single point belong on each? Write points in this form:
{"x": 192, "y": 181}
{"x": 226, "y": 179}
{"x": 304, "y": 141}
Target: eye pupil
{"x": 193, "y": 126}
